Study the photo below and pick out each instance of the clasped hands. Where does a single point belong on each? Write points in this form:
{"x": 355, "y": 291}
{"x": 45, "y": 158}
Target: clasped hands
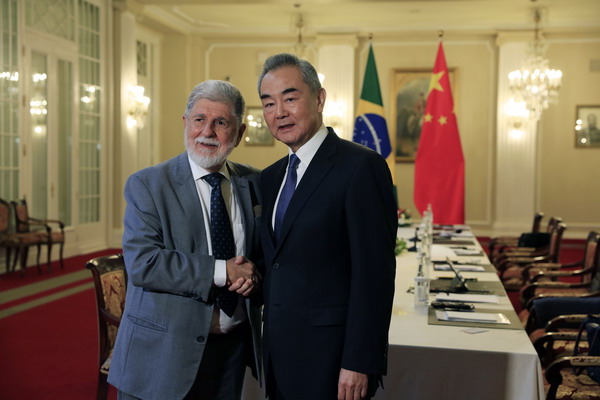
{"x": 242, "y": 276}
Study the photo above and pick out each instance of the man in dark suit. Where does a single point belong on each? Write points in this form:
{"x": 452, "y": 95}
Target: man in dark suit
{"x": 328, "y": 234}
{"x": 190, "y": 326}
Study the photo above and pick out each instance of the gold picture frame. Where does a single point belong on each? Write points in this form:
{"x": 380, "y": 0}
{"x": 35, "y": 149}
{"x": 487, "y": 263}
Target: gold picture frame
{"x": 408, "y": 101}
{"x": 257, "y": 132}
{"x": 587, "y": 134}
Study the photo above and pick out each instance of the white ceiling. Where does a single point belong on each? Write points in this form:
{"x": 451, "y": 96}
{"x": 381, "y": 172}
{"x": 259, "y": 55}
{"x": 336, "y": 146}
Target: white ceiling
{"x": 277, "y": 17}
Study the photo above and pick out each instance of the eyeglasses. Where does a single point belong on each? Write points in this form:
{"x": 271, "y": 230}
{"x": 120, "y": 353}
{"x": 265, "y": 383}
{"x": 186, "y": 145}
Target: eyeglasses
{"x": 219, "y": 125}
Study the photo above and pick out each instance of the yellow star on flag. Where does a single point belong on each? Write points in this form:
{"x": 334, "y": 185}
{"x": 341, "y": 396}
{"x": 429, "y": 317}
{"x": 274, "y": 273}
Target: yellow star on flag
{"x": 443, "y": 120}
{"x": 428, "y": 117}
{"x": 434, "y": 83}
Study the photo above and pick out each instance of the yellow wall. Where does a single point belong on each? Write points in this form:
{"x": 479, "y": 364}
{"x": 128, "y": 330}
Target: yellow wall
{"x": 474, "y": 96}
{"x": 567, "y": 178}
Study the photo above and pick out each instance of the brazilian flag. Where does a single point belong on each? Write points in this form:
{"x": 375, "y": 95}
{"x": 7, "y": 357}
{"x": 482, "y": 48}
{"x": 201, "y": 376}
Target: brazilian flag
{"x": 370, "y": 128}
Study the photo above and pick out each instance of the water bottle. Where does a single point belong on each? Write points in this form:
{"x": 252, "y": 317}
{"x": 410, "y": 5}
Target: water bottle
{"x": 421, "y": 289}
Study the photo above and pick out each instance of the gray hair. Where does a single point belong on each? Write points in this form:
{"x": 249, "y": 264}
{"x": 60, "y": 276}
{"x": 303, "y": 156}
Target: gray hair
{"x": 309, "y": 73}
{"x": 219, "y": 91}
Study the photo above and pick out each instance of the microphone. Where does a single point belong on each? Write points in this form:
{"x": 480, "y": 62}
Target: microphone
{"x": 458, "y": 283}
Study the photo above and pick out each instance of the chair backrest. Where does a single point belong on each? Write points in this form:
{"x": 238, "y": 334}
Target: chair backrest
{"x": 21, "y": 216}
{"x": 591, "y": 255}
{"x": 537, "y": 222}
{"x": 4, "y": 217}
{"x": 555, "y": 242}
{"x": 110, "y": 283}
{"x": 552, "y": 222}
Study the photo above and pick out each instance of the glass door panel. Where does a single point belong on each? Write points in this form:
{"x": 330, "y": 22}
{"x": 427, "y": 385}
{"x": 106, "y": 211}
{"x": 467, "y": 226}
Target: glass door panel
{"x": 38, "y": 108}
{"x": 65, "y": 140}
{"x": 51, "y": 111}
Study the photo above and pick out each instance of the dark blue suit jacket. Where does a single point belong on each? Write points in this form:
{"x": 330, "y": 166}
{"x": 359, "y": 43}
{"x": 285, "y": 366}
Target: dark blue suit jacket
{"x": 329, "y": 281}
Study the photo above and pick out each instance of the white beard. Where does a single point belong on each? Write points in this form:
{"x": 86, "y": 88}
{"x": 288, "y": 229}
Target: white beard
{"x": 212, "y": 159}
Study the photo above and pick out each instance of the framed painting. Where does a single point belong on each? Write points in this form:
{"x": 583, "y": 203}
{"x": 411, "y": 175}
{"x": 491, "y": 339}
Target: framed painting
{"x": 257, "y": 132}
{"x": 408, "y": 101}
{"x": 587, "y": 133}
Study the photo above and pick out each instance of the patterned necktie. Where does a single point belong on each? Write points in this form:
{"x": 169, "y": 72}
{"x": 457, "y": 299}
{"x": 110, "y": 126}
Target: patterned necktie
{"x": 221, "y": 234}
{"x": 287, "y": 192}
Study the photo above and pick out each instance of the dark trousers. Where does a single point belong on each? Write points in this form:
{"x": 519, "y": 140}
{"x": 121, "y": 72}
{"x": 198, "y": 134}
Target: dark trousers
{"x": 274, "y": 393}
{"x": 221, "y": 372}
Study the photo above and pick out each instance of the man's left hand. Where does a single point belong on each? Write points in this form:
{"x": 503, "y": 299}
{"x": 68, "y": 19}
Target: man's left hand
{"x": 352, "y": 385}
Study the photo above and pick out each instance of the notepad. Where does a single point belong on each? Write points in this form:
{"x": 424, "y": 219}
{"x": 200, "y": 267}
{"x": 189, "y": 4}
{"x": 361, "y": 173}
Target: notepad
{"x": 460, "y": 268}
{"x": 468, "y": 298}
{"x": 484, "y": 318}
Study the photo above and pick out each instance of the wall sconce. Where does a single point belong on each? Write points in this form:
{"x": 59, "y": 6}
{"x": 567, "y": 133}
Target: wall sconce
{"x": 89, "y": 95}
{"x": 138, "y": 107}
{"x": 38, "y": 107}
{"x": 517, "y": 114}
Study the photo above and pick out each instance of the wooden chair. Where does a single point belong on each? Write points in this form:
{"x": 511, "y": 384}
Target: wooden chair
{"x": 505, "y": 251}
{"x": 25, "y": 224}
{"x": 588, "y": 275}
{"x": 9, "y": 241}
{"x": 510, "y": 268}
{"x": 567, "y": 377}
{"x": 558, "y": 338}
{"x": 563, "y": 383}
{"x": 513, "y": 241}
{"x": 110, "y": 283}
{"x": 583, "y": 270}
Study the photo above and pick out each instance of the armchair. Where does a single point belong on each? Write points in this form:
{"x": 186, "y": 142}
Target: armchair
{"x": 47, "y": 236}
{"x": 110, "y": 283}
{"x": 513, "y": 241}
{"x": 582, "y": 271}
{"x": 577, "y": 376}
{"x": 512, "y": 265}
{"x": 523, "y": 250}
{"x": 9, "y": 241}
{"x": 588, "y": 275}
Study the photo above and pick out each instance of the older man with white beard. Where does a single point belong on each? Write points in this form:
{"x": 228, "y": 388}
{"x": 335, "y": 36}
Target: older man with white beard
{"x": 192, "y": 322}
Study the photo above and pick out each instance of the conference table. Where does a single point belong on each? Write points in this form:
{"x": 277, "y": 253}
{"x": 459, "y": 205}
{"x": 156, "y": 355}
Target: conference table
{"x": 456, "y": 362}
{"x": 429, "y": 360}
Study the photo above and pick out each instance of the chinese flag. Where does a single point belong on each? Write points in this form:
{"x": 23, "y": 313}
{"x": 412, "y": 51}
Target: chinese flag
{"x": 440, "y": 166}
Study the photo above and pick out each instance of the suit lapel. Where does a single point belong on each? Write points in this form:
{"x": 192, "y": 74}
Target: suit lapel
{"x": 241, "y": 190}
{"x": 185, "y": 189}
{"x": 317, "y": 170}
{"x": 273, "y": 186}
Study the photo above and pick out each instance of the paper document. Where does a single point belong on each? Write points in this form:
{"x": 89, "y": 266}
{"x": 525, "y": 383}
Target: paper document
{"x": 440, "y": 253}
{"x": 486, "y": 318}
{"x": 468, "y": 298}
{"x": 460, "y": 268}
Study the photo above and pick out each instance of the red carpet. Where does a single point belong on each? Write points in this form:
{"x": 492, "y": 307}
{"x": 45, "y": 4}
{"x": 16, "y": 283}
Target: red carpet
{"x": 31, "y": 275}
{"x": 50, "y": 351}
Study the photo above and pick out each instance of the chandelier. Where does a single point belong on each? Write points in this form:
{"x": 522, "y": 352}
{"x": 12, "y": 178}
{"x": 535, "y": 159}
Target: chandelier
{"x": 535, "y": 83}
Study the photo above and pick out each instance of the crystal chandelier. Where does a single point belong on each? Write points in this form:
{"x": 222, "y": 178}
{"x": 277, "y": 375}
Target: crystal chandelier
{"x": 535, "y": 83}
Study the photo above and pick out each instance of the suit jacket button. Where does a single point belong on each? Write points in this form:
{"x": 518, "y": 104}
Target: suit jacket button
{"x": 201, "y": 339}
{"x": 276, "y": 266}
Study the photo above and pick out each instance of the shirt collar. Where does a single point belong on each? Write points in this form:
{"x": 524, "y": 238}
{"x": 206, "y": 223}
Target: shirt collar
{"x": 198, "y": 172}
{"x": 309, "y": 149}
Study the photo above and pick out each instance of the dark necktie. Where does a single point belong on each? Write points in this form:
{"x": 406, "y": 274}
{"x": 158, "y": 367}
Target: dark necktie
{"x": 287, "y": 192}
{"x": 221, "y": 234}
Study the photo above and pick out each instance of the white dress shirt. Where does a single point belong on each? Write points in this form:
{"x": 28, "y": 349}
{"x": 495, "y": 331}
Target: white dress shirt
{"x": 305, "y": 154}
{"x": 221, "y": 323}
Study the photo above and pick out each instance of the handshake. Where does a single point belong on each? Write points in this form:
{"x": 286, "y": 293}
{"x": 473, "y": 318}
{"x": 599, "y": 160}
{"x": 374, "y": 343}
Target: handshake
{"x": 242, "y": 276}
